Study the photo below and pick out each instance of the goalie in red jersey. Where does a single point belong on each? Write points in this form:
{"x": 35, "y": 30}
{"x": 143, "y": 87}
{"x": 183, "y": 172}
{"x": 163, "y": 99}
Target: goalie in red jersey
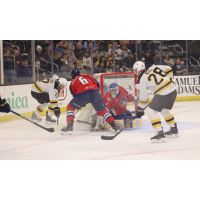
{"x": 116, "y": 100}
{"x": 85, "y": 89}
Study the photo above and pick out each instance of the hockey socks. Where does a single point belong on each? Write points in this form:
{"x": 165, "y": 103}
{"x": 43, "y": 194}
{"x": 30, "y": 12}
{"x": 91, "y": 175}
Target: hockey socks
{"x": 156, "y": 123}
{"x": 106, "y": 115}
{"x": 70, "y": 113}
{"x": 40, "y": 109}
{"x": 155, "y": 120}
{"x": 169, "y": 118}
{"x": 50, "y": 111}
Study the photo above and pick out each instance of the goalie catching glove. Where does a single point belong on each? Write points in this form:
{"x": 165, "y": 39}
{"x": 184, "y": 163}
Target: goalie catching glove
{"x": 57, "y": 112}
{"x": 140, "y": 112}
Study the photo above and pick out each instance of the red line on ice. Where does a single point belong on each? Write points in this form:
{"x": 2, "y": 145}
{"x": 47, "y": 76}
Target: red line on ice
{"x": 133, "y": 154}
{"x": 44, "y": 142}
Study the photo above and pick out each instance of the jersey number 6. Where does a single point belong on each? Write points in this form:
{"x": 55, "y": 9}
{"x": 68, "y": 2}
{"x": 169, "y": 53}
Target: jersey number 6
{"x": 82, "y": 80}
{"x": 159, "y": 72}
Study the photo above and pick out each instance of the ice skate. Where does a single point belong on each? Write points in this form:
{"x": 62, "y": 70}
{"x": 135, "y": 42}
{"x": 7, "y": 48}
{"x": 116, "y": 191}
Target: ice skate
{"x": 67, "y": 130}
{"x": 173, "y": 132}
{"x": 159, "y": 137}
{"x": 49, "y": 120}
{"x": 115, "y": 127}
{"x": 36, "y": 118}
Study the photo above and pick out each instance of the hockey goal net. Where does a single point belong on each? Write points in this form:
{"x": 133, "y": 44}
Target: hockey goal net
{"x": 126, "y": 80}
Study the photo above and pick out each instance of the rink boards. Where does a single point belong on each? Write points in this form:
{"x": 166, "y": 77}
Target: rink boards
{"x": 20, "y": 99}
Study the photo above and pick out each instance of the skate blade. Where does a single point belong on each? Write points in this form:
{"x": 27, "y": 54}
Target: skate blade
{"x": 36, "y": 121}
{"x": 172, "y": 136}
{"x": 50, "y": 123}
{"x": 94, "y": 130}
{"x": 66, "y": 133}
{"x": 158, "y": 141}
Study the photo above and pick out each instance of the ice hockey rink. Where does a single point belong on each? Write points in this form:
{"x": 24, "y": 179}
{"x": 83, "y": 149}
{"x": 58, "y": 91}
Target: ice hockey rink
{"x": 21, "y": 140}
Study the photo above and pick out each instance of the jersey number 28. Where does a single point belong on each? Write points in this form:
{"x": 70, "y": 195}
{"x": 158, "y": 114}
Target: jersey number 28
{"x": 159, "y": 72}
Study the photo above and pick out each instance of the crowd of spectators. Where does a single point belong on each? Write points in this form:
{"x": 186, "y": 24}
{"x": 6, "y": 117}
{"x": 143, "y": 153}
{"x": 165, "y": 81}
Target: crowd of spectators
{"x": 124, "y": 56}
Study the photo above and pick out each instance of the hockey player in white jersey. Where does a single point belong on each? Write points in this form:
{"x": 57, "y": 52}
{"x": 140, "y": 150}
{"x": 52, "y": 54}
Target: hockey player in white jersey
{"x": 45, "y": 92}
{"x": 157, "y": 79}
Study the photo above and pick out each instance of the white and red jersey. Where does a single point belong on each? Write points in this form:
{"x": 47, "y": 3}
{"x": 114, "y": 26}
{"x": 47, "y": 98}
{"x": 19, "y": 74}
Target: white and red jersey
{"x": 118, "y": 104}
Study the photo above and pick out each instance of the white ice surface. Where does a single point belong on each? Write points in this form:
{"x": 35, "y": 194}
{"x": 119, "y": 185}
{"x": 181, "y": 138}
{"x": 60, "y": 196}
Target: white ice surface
{"x": 21, "y": 140}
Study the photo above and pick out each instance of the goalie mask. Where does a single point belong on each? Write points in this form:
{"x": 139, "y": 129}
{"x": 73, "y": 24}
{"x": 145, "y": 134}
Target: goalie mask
{"x": 114, "y": 89}
{"x": 138, "y": 66}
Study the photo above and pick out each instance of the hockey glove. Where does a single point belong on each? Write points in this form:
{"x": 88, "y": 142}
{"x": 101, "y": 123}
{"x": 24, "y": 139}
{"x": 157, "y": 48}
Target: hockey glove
{"x": 140, "y": 112}
{"x": 57, "y": 111}
{"x": 4, "y": 106}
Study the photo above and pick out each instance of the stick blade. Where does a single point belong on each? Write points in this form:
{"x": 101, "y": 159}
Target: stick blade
{"x": 103, "y": 137}
{"x": 57, "y": 128}
{"x": 49, "y": 129}
{"x": 111, "y": 137}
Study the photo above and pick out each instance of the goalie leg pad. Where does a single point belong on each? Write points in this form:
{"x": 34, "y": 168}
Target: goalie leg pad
{"x": 94, "y": 120}
{"x": 99, "y": 122}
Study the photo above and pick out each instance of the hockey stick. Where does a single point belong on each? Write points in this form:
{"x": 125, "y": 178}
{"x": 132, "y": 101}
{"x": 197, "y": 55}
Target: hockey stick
{"x": 104, "y": 137}
{"x": 76, "y": 112}
{"x": 56, "y": 128}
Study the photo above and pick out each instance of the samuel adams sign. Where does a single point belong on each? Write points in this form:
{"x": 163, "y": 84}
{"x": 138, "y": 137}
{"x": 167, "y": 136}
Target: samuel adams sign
{"x": 187, "y": 85}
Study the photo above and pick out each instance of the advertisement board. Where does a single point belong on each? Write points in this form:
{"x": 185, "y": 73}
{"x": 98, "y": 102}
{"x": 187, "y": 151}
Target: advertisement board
{"x": 20, "y": 99}
{"x": 188, "y": 88}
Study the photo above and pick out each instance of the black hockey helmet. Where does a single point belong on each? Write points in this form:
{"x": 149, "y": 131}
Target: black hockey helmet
{"x": 75, "y": 72}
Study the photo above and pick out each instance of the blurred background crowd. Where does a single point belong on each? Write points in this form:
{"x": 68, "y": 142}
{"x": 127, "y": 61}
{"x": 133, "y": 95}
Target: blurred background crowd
{"x": 97, "y": 56}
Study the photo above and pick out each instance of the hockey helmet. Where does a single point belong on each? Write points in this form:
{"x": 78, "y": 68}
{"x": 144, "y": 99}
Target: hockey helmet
{"x": 75, "y": 72}
{"x": 63, "y": 82}
{"x": 114, "y": 89}
{"x": 139, "y": 66}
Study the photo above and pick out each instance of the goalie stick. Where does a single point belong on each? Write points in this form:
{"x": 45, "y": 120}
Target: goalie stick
{"x": 56, "y": 128}
{"x": 104, "y": 137}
